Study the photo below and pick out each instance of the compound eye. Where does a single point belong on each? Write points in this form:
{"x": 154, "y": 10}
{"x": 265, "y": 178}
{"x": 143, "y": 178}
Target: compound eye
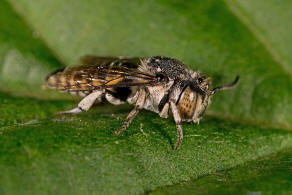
{"x": 200, "y": 80}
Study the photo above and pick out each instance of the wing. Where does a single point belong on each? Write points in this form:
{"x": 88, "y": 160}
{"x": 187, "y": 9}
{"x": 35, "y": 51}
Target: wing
{"x": 96, "y": 73}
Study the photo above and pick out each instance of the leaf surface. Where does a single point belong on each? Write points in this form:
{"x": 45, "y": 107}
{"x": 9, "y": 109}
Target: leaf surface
{"x": 42, "y": 153}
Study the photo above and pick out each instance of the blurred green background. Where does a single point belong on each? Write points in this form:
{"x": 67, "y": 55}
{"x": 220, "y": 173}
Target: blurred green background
{"x": 41, "y": 153}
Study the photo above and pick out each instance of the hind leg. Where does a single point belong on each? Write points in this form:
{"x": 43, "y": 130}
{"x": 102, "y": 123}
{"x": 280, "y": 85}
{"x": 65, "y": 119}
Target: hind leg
{"x": 84, "y": 104}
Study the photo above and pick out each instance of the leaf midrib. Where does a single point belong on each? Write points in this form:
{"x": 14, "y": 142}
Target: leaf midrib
{"x": 241, "y": 15}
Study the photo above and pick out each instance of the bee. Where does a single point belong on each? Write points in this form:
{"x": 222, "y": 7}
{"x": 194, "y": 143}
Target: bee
{"x": 160, "y": 84}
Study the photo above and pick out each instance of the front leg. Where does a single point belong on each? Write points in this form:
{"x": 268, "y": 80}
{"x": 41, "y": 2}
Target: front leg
{"x": 177, "y": 120}
{"x": 84, "y": 104}
{"x": 139, "y": 105}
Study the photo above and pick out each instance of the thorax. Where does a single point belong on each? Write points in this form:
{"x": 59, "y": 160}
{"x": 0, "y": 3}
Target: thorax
{"x": 154, "y": 97}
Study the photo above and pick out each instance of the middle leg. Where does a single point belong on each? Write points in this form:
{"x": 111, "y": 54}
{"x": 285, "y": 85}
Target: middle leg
{"x": 139, "y": 105}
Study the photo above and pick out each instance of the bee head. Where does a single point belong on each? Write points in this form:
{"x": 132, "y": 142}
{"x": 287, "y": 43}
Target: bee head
{"x": 195, "y": 96}
{"x": 200, "y": 82}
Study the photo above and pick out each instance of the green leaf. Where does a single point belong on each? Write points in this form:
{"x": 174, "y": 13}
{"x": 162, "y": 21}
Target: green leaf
{"x": 269, "y": 175}
{"x": 42, "y": 153}
{"x": 80, "y": 154}
{"x": 18, "y": 110}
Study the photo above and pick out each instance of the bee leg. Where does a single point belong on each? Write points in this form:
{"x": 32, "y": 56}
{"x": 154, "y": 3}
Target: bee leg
{"x": 84, "y": 104}
{"x": 164, "y": 112}
{"x": 177, "y": 120}
{"x": 139, "y": 105}
{"x": 111, "y": 99}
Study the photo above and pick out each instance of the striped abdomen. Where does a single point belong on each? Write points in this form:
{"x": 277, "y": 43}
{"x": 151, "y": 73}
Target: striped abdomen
{"x": 75, "y": 80}
{"x": 85, "y": 79}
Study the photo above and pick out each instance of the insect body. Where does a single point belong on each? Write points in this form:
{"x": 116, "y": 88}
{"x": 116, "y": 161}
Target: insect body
{"x": 159, "y": 84}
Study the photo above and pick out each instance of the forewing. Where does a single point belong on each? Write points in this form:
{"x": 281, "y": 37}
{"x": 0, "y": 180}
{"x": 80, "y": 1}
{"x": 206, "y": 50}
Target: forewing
{"x": 121, "y": 76}
{"x": 101, "y": 73}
